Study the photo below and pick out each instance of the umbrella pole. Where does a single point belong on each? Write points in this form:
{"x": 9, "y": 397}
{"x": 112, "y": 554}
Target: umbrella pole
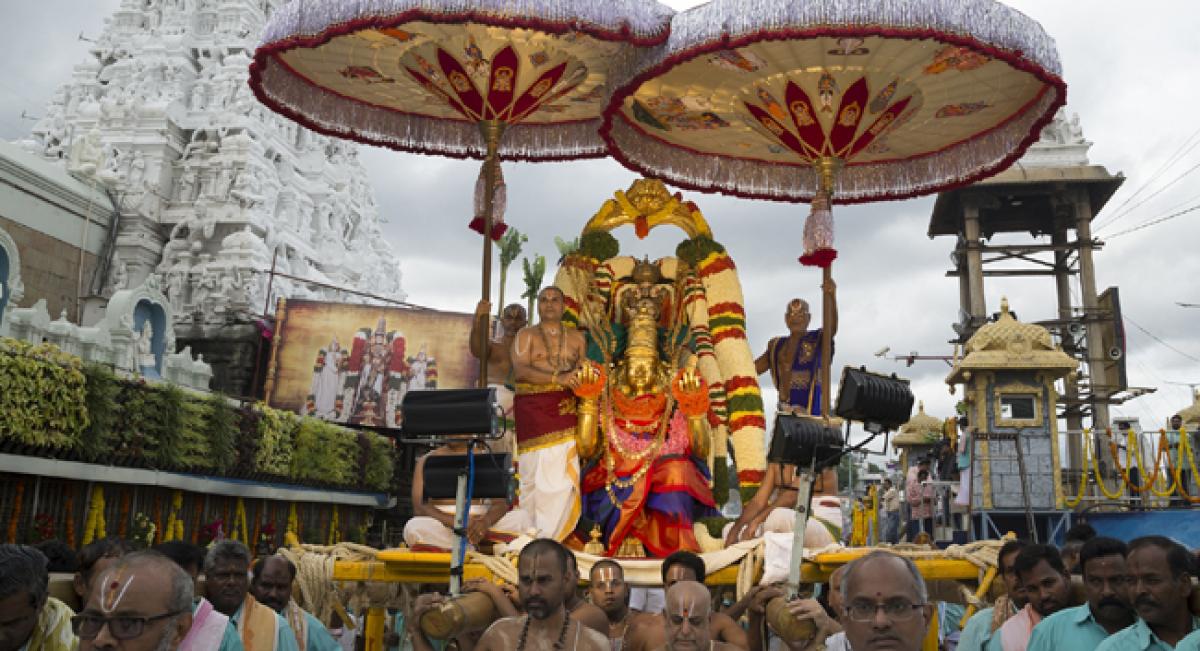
{"x": 491, "y": 130}
{"x": 827, "y": 308}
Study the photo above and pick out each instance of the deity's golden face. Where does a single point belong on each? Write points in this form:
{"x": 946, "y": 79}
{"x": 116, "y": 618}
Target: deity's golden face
{"x": 641, "y": 370}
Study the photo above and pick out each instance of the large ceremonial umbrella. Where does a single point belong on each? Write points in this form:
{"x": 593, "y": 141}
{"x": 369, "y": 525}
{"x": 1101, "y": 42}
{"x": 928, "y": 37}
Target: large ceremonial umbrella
{"x": 836, "y": 102}
{"x": 491, "y": 79}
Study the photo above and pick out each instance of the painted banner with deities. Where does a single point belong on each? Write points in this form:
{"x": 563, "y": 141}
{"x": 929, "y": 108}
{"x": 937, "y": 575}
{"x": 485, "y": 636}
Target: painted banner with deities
{"x": 350, "y": 363}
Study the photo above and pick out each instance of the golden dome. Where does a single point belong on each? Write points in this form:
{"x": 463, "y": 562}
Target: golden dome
{"x": 1192, "y": 413}
{"x": 1009, "y": 344}
{"x": 921, "y": 429}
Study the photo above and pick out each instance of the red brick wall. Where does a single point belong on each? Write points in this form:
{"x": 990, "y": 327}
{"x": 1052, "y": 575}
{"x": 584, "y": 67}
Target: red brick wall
{"x": 49, "y": 269}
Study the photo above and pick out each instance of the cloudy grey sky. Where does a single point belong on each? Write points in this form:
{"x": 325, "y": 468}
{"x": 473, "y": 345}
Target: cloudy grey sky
{"x": 1131, "y": 75}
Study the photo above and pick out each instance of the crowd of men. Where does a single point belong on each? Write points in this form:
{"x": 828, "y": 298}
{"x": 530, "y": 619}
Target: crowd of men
{"x": 148, "y": 601}
{"x": 1128, "y": 597}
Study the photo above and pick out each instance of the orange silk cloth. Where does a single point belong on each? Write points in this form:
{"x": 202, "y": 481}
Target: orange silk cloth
{"x": 545, "y": 415}
{"x": 257, "y": 626}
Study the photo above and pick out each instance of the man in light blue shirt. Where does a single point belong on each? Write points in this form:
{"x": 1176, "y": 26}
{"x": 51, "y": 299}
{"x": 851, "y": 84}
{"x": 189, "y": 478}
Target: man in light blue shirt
{"x": 271, "y": 585}
{"x": 227, "y": 572}
{"x": 1108, "y": 608}
{"x": 979, "y": 630}
{"x": 1161, "y": 582}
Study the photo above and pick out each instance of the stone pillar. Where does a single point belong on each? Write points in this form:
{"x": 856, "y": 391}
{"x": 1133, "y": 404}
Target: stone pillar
{"x": 1087, "y": 287}
{"x": 1062, "y": 282}
{"x": 971, "y": 231}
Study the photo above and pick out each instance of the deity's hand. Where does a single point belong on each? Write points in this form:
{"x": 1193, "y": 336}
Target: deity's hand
{"x": 588, "y": 381}
{"x": 691, "y": 392}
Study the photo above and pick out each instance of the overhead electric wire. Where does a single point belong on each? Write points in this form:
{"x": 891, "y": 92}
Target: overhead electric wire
{"x": 1157, "y": 192}
{"x": 1156, "y": 220}
{"x": 1179, "y": 153}
{"x": 1159, "y": 339}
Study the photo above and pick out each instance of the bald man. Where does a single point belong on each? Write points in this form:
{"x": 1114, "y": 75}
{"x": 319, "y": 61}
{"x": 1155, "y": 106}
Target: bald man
{"x": 686, "y": 619}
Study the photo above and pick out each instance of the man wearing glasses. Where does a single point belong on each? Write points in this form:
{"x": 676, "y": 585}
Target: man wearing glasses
{"x": 143, "y": 602}
{"x": 886, "y": 603}
{"x": 29, "y": 619}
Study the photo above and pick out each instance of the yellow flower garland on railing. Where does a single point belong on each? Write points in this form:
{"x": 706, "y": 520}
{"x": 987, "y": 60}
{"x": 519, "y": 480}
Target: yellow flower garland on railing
{"x": 14, "y": 520}
{"x": 1185, "y": 448}
{"x": 293, "y": 523}
{"x": 1164, "y": 450}
{"x": 1133, "y": 457}
{"x": 174, "y": 530}
{"x": 94, "y": 526}
{"x": 238, "y": 530}
{"x": 1083, "y": 479}
{"x": 1114, "y": 495}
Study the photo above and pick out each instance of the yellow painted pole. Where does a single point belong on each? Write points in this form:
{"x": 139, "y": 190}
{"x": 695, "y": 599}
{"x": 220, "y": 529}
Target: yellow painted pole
{"x": 373, "y": 630}
{"x": 984, "y": 586}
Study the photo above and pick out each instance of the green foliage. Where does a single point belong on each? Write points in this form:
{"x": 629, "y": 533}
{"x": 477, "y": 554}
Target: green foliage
{"x": 566, "y": 247}
{"x": 103, "y": 391}
{"x": 276, "y": 436}
{"x": 165, "y": 444}
{"x": 599, "y": 245}
{"x": 42, "y": 395}
{"x": 534, "y": 274}
{"x": 695, "y": 250}
{"x": 193, "y": 440}
{"x": 509, "y": 245}
{"x": 380, "y": 465}
{"x": 221, "y": 430}
{"x": 323, "y": 453}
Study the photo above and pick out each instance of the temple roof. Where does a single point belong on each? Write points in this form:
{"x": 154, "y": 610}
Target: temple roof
{"x": 1011, "y": 345}
{"x": 1192, "y": 413}
{"x": 921, "y": 429}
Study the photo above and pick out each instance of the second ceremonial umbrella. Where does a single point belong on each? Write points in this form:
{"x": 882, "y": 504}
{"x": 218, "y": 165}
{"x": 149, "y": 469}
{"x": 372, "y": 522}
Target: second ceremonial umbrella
{"x": 836, "y": 102}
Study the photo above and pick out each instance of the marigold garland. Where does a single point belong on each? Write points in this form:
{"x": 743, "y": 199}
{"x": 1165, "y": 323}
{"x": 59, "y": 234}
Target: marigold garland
{"x": 123, "y": 514}
{"x": 14, "y": 519}
{"x": 69, "y": 509}
{"x": 174, "y": 521}
{"x": 239, "y": 531}
{"x": 293, "y": 522}
{"x": 1112, "y": 495}
{"x": 1083, "y": 479}
{"x": 94, "y": 525}
{"x": 1170, "y": 476}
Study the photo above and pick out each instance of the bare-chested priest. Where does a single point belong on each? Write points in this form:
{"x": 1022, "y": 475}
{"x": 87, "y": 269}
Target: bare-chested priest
{"x": 608, "y": 590}
{"x": 431, "y": 527}
{"x": 795, "y": 364}
{"x": 545, "y": 358}
{"x": 543, "y": 583}
{"x": 499, "y": 360}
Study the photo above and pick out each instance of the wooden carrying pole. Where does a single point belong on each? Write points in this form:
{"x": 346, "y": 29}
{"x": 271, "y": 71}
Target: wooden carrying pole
{"x": 492, "y": 131}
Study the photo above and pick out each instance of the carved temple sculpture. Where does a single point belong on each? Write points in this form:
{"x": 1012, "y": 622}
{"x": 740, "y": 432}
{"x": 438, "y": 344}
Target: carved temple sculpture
{"x": 670, "y": 378}
{"x": 212, "y": 187}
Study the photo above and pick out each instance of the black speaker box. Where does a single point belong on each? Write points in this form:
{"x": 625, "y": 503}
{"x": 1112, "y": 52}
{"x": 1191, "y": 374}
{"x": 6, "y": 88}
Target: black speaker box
{"x": 448, "y": 412}
{"x": 798, "y": 440}
{"x": 492, "y": 477}
{"x": 874, "y": 398}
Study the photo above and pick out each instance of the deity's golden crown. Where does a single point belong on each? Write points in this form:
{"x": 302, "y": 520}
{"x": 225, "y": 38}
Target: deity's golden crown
{"x": 644, "y": 310}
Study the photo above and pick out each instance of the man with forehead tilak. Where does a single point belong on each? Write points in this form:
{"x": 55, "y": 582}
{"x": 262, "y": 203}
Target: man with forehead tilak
{"x": 1108, "y": 608}
{"x": 227, "y": 572}
{"x": 886, "y": 603}
{"x": 542, "y": 583}
{"x": 678, "y": 567}
{"x": 142, "y": 602}
{"x": 544, "y": 360}
{"x": 608, "y": 590}
{"x": 686, "y": 620}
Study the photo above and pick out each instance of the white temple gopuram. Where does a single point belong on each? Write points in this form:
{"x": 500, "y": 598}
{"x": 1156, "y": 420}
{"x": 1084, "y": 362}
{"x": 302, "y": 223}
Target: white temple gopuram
{"x": 210, "y": 189}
